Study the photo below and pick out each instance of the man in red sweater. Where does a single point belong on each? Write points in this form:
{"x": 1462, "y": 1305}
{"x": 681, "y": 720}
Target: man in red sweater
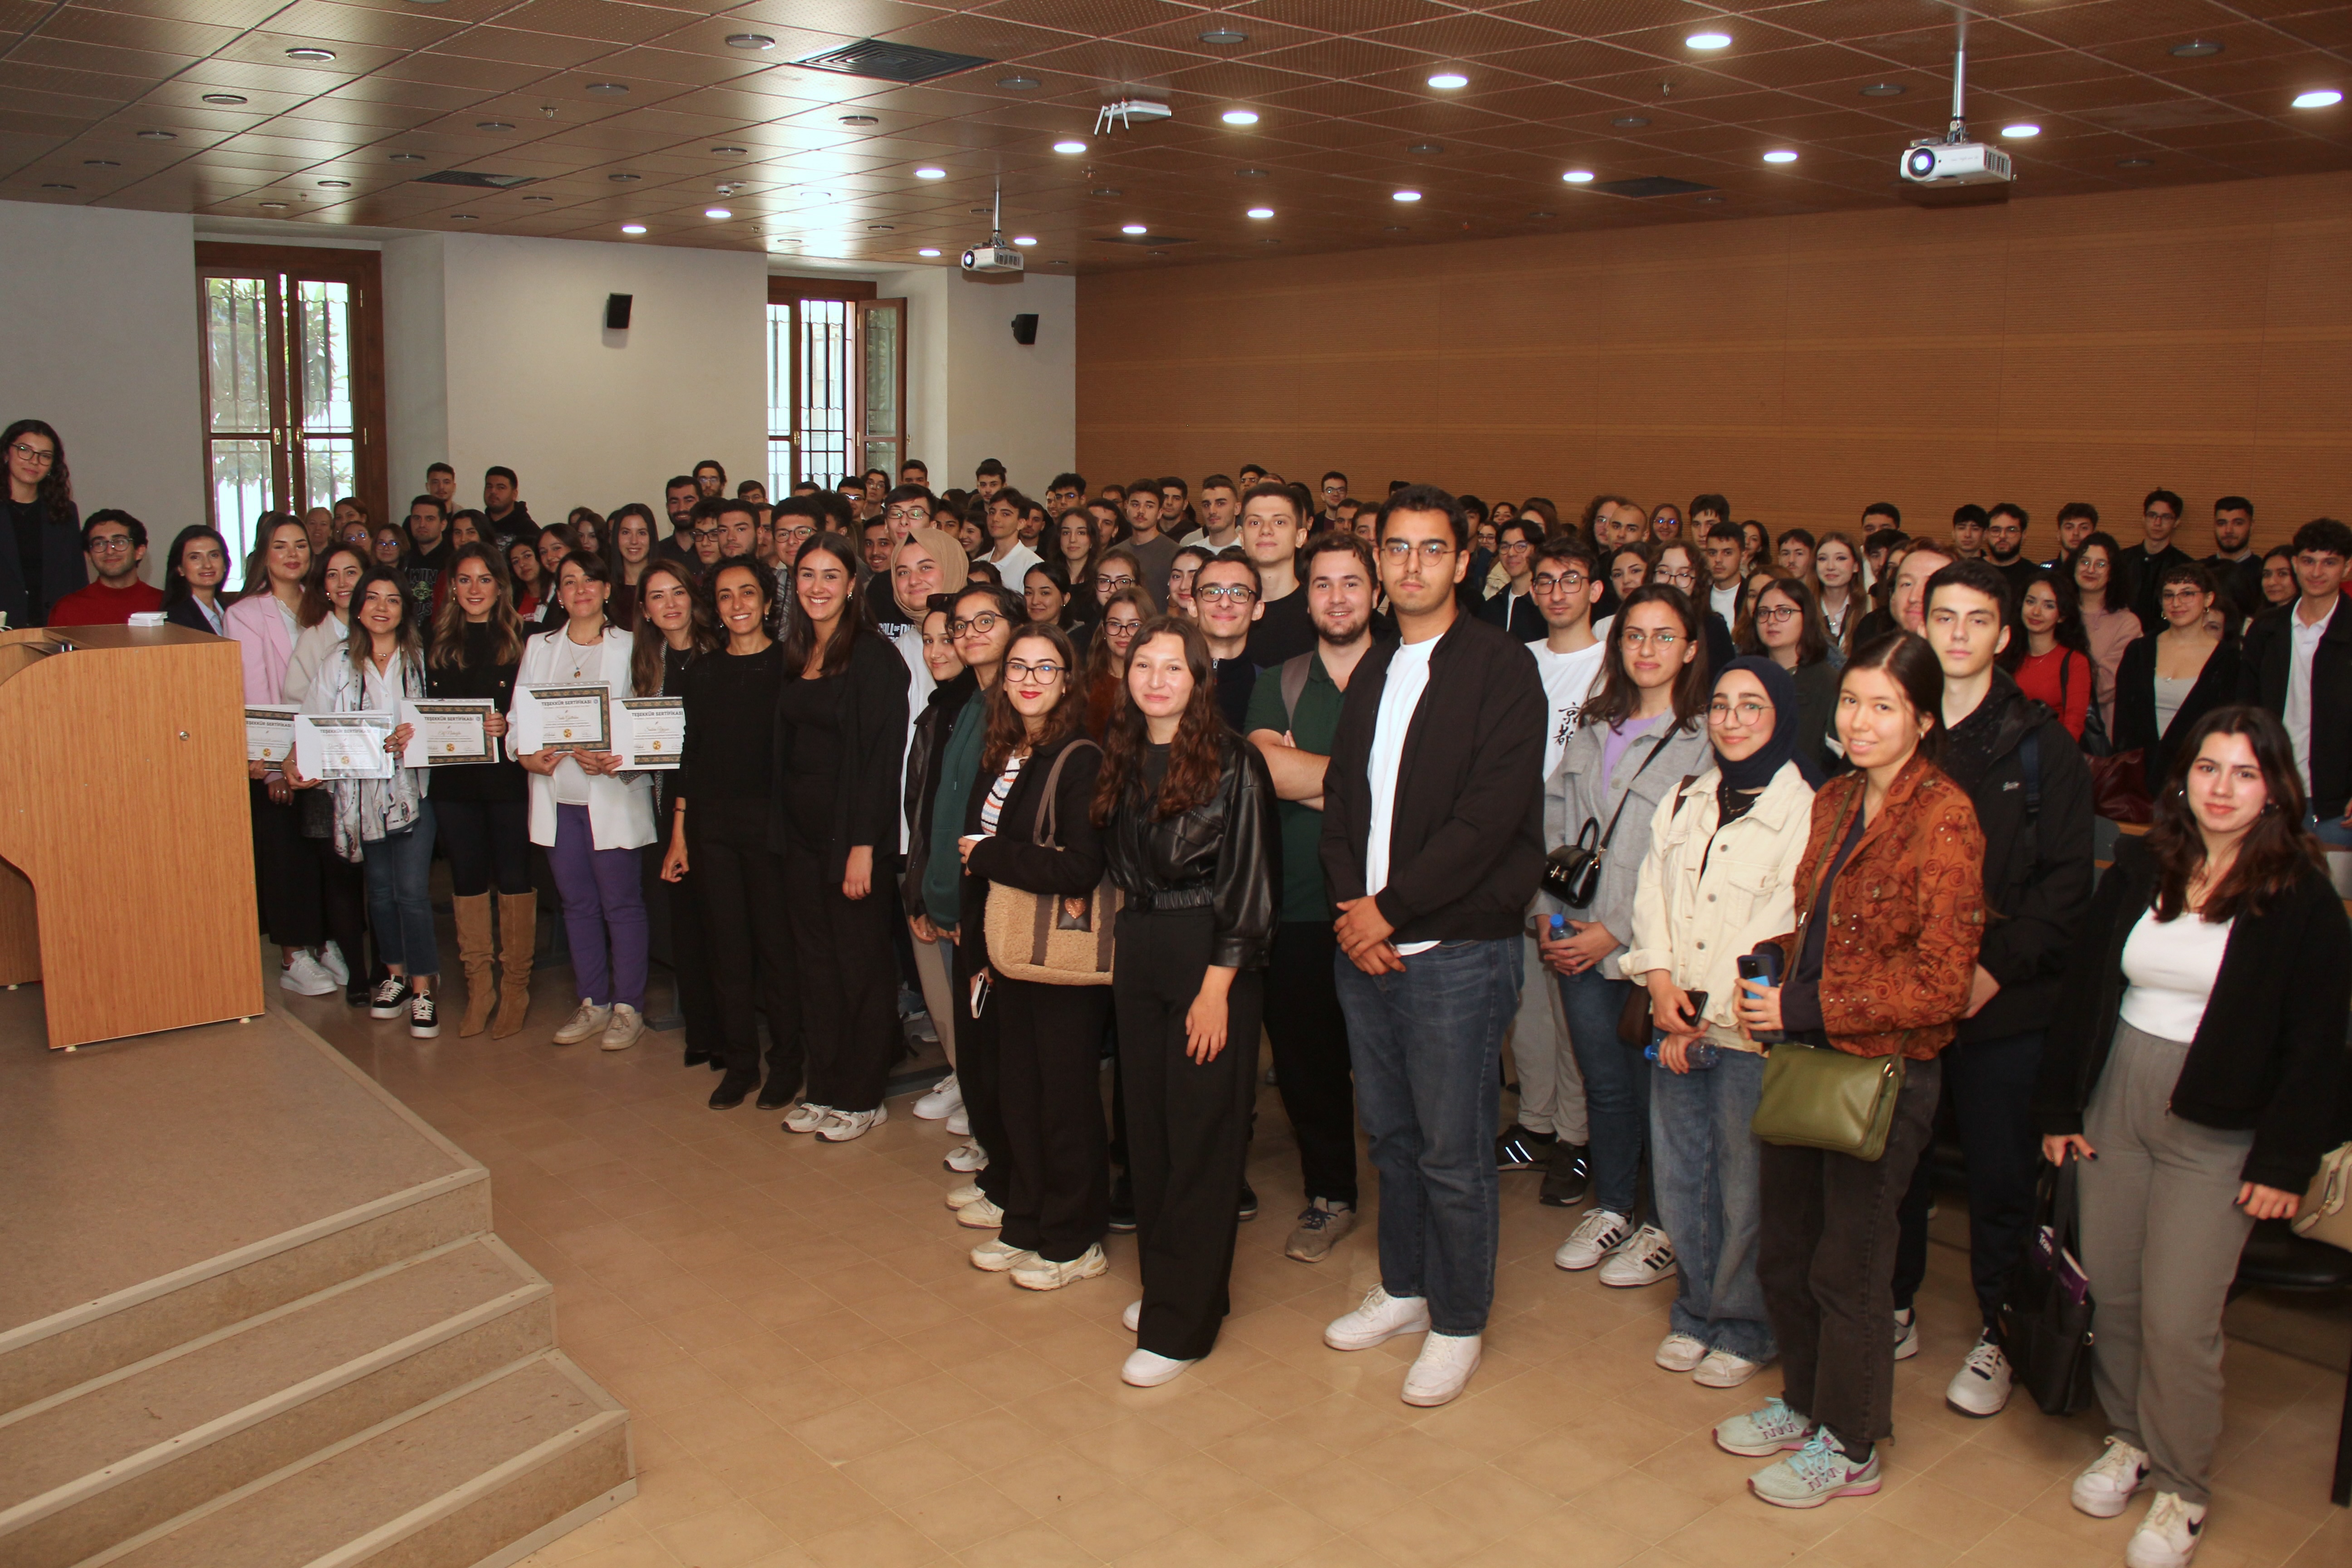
{"x": 116, "y": 542}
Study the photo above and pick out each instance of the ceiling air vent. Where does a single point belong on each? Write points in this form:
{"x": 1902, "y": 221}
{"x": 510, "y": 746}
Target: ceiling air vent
{"x": 474, "y": 179}
{"x": 1649, "y": 185}
{"x": 891, "y": 62}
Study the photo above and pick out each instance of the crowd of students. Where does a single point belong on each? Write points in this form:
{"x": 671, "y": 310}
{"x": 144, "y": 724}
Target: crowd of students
{"x": 1637, "y": 798}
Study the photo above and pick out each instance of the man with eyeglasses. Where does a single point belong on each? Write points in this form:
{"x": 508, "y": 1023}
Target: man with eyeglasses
{"x": 1225, "y": 604}
{"x": 2004, "y": 544}
{"x": 1514, "y": 608}
{"x": 1065, "y": 495}
{"x": 1274, "y": 527}
{"x": 115, "y": 542}
{"x": 1432, "y": 849}
{"x": 2299, "y": 666}
{"x": 1333, "y": 489}
{"x": 2142, "y": 566}
{"x": 703, "y": 534}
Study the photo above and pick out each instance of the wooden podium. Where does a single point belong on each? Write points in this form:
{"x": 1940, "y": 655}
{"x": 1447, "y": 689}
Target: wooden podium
{"x": 127, "y": 889}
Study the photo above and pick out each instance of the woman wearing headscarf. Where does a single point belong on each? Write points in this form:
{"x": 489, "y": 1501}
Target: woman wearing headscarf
{"x": 1717, "y": 881}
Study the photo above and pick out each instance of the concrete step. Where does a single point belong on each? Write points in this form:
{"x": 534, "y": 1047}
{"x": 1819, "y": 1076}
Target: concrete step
{"x": 94, "y": 1465}
{"x": 477, "y": 1479}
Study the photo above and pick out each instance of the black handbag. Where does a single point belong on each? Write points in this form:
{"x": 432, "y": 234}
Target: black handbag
{"x": 1572, "y": 871}
{"x": 2046, "y": 1306}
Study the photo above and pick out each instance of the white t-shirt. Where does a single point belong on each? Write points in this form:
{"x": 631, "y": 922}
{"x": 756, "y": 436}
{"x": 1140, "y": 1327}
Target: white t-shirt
{"x": 1568, "y": 679}
{"x": 2169, "y": 967}
{"x": 1015, "y": 566}
{"x": 573, "y": 666}
{"x": 2296, "y": 712}
{"x": 1408, "y": 677}
{"x": 1725, "y": 601}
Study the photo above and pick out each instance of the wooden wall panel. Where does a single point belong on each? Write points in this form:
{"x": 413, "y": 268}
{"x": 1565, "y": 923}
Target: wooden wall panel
{"x": 2079, "y": 348}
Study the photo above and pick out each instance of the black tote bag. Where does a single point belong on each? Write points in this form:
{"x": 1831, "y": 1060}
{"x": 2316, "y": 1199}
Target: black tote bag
{"x": 2045, "y": 1308}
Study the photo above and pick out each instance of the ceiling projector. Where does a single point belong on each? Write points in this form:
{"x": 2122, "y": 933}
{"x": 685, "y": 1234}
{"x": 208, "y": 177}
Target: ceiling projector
{"x": 995, "y": 256}
{"x": 1957, "y": 163}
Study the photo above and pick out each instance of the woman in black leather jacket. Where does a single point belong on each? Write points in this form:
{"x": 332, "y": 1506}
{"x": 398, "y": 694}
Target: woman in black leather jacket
{"x": 1187, "y": 814}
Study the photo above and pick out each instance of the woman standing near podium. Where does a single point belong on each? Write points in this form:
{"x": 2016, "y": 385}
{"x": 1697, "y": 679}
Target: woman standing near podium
{"x": 326, "y": 615}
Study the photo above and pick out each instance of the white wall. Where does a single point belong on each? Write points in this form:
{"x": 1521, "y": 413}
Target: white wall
{"x": 102, "y": 344}
{"x": 415, "y": 363}
{"x": 972, "y": 391}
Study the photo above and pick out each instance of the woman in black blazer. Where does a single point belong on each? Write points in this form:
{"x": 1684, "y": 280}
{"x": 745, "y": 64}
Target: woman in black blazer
{"x": 40, "y": 527}
{"x": 840, "y": 737}
{"x": 194, "y": 573}
{"x": 2167, "y": 682}
{"x": 2196, "y": 1063}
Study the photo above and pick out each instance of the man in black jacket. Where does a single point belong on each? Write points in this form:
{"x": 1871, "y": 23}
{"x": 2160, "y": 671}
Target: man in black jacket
{"x": 2140, "y": 568}
{"x": 1513, "y": 607}
{"x": 2033, "y": 797}
{"x": 1433, "y": 844}
{"x": 2297, "y": 662}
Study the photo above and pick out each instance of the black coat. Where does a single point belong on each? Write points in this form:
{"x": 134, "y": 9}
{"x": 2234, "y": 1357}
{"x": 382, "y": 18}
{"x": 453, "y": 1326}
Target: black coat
{"x": 63, "y": 568}
{"x": 2261, "y": 680}
{"x": 1012, "y": 855}
{"x": 2217, "y": 687}
{"x": 1527, "y": 622}
{"x": 1218, "y": 855}
{"x": 181, "y": 612}
{"x": 873, "y": 748}
{"x": 2269, "y": 1055}
{"x": 922, "y": 779}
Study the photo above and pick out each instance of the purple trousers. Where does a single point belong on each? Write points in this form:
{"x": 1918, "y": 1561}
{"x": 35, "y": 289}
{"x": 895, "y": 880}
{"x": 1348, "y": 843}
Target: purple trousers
{"x": 604, "y": 899}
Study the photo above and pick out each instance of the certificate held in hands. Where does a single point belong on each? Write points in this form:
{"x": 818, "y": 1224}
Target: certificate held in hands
{"x": 654, "y": 735}
{"x": 563, "y": 718}
{"x": 342, "y": 745}
{"x": 448, "y": 732}
{"x": 269, "y": 732}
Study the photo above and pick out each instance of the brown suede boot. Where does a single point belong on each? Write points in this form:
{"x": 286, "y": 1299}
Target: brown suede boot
{"x": 518, "y": 940}
{"x": 474, "y": 953}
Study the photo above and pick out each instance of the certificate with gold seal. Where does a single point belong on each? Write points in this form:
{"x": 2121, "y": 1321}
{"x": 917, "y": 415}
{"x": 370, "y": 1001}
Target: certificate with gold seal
{"x": 448, "y": 732}
{"x": 269, "y": 732}
{"x": 569, "y": 717}
{"x": 654, "y": 734}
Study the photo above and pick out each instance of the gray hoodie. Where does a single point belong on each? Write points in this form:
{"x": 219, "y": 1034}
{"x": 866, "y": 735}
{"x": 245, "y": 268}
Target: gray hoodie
{"x": 1576, "y": 793}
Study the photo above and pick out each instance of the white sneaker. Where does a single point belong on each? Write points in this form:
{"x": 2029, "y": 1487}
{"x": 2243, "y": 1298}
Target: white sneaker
{"x": 2106, "y": 1488}
{"x": 1381, "y": 1317}
{"x": 2167, "y": 1537}
{"x": 1906, "y": 1333}
{"x": 1643, "y": 1260}
{"x": 979, "y": 1214}
{"x": 1981, "y": 1385}
{"x": 390, "y": 999}
{"x": 1595, "y": 1235}
{"x": 847, "y": 1126}
{"x": 959, "y": 1122}
{"x": 945, "y": 1096}
{"x": 1132, "y": 1319}
{"x": 1145, "y": 1370}
{"x": 806, "y": 1117}
{"x": 1680, "y": 1352}
{"x": 623, "y": 1031}
{"x": 590, "y": 1019}
{"x": 965, "y": 1195}
{"x": 306, "y": 976}
{"x": 1042, "y": 1274}
{"x": 330, "y": 959}
{"x": 1442, "y": 1368}
{"x": 967, "y": 1159}
{"x": 998, "y": 1256}
{"x": 1722, "y": 1369}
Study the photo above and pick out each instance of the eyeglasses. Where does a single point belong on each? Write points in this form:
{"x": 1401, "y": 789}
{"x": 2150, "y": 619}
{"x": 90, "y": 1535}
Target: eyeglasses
{"x": 31, "y": 453}
{"x": 1749, "y": 713}
{"x": 2181, "y": 590}
{"x": 1682, "y": 579}
{"x": 1776, "y": 614}
{"x": 2156, "y": 513}
{"x": 984, "y": 623}
{"x": 1047, "y": 672}
{"x": 1570, "y": 582}
{"x": 109, "y": 543}
{"x": 907, "y": 514}
{"x": 1226, "y": 594}
{"x": 1662, "y": 641}
{"x": 703, "y": 533}
{"x": 1433, "y": 551}
{"x": 1115, "y": 584}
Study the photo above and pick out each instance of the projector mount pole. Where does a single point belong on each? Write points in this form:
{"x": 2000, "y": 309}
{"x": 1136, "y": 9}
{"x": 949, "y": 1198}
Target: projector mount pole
{"x": 1958, "y": 131}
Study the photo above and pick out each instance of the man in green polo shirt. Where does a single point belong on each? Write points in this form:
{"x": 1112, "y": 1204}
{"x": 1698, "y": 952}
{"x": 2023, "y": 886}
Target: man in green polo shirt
{"x": 1294, "y": 712}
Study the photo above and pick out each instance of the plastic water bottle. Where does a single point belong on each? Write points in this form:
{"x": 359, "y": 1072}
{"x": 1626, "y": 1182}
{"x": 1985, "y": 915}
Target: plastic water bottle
{"x": 1701, "y": 1055}
{"x": 1560, "y": 927}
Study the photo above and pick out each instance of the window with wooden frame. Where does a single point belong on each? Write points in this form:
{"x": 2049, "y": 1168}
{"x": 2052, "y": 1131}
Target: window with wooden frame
{"x": 836, "y": 381}
{"x": 292, "y": 360}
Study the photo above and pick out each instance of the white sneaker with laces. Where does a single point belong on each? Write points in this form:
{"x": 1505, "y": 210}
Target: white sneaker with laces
{"x": 967, "y": 1159}
{"x": 2167, "y": 1536}
{"x": 1442, "y": 1368}
{"x": 998, "y": 1256}
{"x": 946, "y": 1095}
{"x": 390, "y": 998}
{"x": 1143, "y": 1369}
{"x": 1132, "y": 1319}
{"x": 806, "y": 1117}
{"x": 1594, "y": 1238}
{"x": 590, "y": 1019}
{"x": 1380, "y": 1318}
{"x": 1644, "y": 1259}
{"x": 306, "y": 976}
{"x": 979, "y": 1214}
{"x": 965, "y": 1195}
{"x": 1981, "y": 1385}
{"x": 2104, "y": 1488}
{"x": 1043, "y": 1274}
{"x": 846, "y": 1126}
{"x": 959, "y": 1123}
{"x": 621, "y": 1033}
{"x": 1906, "y": 1333}
{"x": 330, "y": 959}
{"x": 1680, "y": 1352}
{"x": 424, "y": 1018}
{"x": 1722, "y": 1369}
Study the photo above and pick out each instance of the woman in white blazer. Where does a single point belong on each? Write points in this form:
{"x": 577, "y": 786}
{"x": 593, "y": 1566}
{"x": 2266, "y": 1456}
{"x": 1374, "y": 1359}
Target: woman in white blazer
{"x": 591, "y": 816}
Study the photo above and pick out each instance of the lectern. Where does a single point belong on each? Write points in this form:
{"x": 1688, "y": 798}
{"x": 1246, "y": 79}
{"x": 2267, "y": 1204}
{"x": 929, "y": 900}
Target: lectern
{"x": 127, "y": 887}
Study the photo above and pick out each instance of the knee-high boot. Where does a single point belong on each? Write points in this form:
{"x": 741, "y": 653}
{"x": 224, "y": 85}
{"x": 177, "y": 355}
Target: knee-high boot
{"x": 518, "y": 940}
{"x": 474, "y": 952}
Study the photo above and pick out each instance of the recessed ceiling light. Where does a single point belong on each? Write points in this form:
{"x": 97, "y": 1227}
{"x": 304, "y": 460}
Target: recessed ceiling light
{"x": 1446, "y": 82}
{"x": 1781, "y": 156}
{"x": 99, "y": 163}
{"x": 1885, "y": 90}
{"x": 1133, "y": 228}
{"x": 1019, "y": 83}
{"x": 539, "y": 198}
{"x": 2323, "y": 98}
{"x": 346, "y": 185}
{"x": 223, "y": 98}
{"x": 860, "y": 120}
{"x": 976, "y": 212}
{"x": 633, "y": 229}
{"x": 2135, "y": 162}
{"x": 730, "y": 151}
{"x": 1224, "y": 35}
{"x": 1239, "y": 117}
{"x": 750, "y": 41}
{"x": 492, "y": 125}
{"x": 408, "y": 157}
{"x": 2022, "y": 131}
{"x": 927, "y": 173}
{"x": 1261, "y": 212}
{"x": 60, "y": 186}
{"x": 465, "y": 217}
{"x": 929, "y": 250}
{"x": 266, "y": 206}
{"x": 1426, "y": 149}
{"x": 623, "y": 179}
{"x": 1069, "y": 147}
{"x": 1708, "y": 41}
{"x": 717, "y": 211}
{"x": 1630, "y": 122}
{"x": 2195, "y": 49}
{"x": 1024, "y": 239}
{"x": 159, "y": 136}
{"x": 1250, "y": 173}
{"x": 881, "y": 229}
{"x": 1578, "y": 176}
{"x": 1104, "y": 191}
{"x": 309, "y": 53}
{"x": 609, "y": 86}
{"x": 1404, "y": 195}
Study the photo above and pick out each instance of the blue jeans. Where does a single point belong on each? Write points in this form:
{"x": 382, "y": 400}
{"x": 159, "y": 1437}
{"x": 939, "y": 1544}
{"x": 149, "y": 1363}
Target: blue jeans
{"x": 399, "y": 864}
{"x": 1426, "y": 1047}
{"x": 1704, "y": 1175}
{"x": 1616, "y": 1086}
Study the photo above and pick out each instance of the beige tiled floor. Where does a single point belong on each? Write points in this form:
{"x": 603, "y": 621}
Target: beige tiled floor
{"x": 817, "y": 1376}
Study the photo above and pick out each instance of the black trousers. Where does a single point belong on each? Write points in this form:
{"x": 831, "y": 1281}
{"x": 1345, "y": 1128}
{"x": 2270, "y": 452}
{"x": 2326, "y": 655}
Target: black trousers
{"x": 847, "y": 979}
{"x": 286, "y": 873}
{"x": 678, "y": 940}
{"x": 487, "y": 843}
{"x": 745, "y": 934}
{"x": 1187, "y": 1125}
{"x": 1825, "y": 1257}
{"x": 1309, "y": 1035}
{"x": 1990, "y": 1084}
{"x": 1049, "y": 1047}
{"x": 980, "y": 1065}
{"x": 343, "y": 897}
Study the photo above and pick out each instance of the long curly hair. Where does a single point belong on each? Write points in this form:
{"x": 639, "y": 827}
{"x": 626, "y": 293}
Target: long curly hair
{"x": 448, "y": 639}
{"x": 1008, "y": 732}
{"x": 2274, "y": 852}
{"x": 55, "y": 491}
{"x": 646, "y": 654}
{"x": 1195, "y": 757}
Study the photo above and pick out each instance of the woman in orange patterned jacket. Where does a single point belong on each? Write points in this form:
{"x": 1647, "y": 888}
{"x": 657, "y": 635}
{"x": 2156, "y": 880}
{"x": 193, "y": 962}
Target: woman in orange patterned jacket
{"x": 1890, "y": 911}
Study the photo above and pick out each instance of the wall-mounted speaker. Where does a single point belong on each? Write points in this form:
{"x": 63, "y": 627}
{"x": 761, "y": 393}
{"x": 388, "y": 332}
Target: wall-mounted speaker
{"x": 616, "y": 312}
{"x": 1024, "y": 329}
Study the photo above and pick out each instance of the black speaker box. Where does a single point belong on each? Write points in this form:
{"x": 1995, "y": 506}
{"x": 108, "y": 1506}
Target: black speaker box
{"x": 1024, "y": 329}
{"x": 616, "y": 312}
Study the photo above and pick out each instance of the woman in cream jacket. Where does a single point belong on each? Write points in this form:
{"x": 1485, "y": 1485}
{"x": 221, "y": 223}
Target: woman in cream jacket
{"x": 1718, "y": 880}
